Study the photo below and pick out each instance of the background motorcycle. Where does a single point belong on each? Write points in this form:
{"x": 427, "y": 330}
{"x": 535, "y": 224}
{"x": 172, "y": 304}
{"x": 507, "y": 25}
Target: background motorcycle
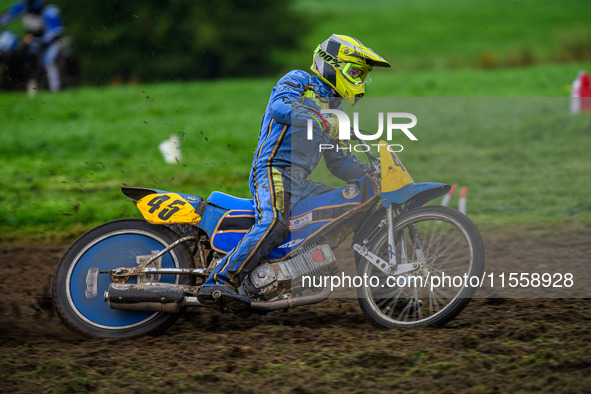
{"x": 135, "y": 277}
{"x": 19, "y": 68}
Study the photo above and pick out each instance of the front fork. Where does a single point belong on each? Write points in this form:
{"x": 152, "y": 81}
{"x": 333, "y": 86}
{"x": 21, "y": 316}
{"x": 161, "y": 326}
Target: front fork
{"x": 391, "y": 241}
{"x": 393, "y": 266}
{"x": 415, "y": 240}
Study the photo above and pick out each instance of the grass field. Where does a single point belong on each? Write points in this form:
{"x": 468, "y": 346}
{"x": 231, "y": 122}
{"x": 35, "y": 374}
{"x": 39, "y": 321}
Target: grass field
{"x": 65, "y": 156}
{"x": 430, "y": 34}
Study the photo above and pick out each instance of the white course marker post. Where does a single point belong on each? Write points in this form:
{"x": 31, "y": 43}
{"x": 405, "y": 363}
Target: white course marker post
{"x": 462, "y": 202}
{"x": 447, "y": 197}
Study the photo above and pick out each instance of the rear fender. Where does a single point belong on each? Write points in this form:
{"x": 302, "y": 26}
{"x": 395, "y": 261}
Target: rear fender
{"x": 164, "y": 207}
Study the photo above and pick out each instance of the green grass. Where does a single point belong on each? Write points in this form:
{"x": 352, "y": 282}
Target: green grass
{"x": 65, "y": 155}
{"x": 436, "y": 34}
{"x": 523, "y": 159}
{"x": 68, "y": 154}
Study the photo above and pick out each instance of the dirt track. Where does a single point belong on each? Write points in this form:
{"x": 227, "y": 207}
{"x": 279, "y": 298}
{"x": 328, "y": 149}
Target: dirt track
{"x": 494, "y": 345}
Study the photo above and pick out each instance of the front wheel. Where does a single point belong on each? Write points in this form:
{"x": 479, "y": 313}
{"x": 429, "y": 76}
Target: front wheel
{"x": 81, "y": 278}
{"x": 448, "y": 252}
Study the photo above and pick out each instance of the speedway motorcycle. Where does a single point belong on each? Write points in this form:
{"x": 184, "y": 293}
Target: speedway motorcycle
{"x": 134, "y": 277}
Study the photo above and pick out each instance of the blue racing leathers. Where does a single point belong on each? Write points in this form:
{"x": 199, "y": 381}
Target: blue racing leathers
{"x": 43, "y": 22}
{"x": 45, "y": 26}
{"x": 286, "y": 154}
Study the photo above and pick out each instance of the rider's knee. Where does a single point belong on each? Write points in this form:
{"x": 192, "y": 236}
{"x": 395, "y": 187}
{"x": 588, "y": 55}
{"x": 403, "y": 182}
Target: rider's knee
{"x": 282, "y": 227}
{"x": 279, "y": 230}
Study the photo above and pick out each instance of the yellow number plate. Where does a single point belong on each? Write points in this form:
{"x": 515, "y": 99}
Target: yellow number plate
{"x": 167, "y": 208}
{"x": 394, "y": 175}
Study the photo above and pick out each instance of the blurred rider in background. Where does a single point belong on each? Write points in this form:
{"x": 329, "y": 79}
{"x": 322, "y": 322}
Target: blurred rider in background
{"x": 43, "y": 29}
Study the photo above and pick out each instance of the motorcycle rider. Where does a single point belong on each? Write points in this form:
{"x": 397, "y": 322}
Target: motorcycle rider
{"x": 283, "y": 159}
{"x": 44, "y": 28}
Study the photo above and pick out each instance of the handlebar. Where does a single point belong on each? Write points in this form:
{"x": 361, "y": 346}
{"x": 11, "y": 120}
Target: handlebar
{"x": 367, "y": 152}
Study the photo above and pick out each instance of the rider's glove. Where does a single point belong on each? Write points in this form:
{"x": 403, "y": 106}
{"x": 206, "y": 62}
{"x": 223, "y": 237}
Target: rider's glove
{"x": 333, "y": 126}
{"x": 333, "y": 131}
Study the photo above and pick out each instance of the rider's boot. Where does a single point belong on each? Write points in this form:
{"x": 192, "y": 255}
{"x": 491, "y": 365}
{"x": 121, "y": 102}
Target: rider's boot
{"x": 53, "y": 77}
{"x": 32, "y": 87}
{"x": 222, "y": 296}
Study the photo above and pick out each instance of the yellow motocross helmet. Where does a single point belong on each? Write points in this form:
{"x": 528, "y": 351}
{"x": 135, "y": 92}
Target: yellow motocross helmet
{"x": 344, "y": 63}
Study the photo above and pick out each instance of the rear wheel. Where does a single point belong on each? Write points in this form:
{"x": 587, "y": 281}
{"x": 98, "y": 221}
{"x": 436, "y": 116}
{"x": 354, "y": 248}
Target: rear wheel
{"x": 81, "y": 280}
{"x": 446, "y": 245}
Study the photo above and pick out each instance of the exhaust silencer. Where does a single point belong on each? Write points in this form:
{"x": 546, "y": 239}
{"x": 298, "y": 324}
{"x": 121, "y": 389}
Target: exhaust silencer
{"x": 158, "y": 297}
{"x": 145, "y": 297}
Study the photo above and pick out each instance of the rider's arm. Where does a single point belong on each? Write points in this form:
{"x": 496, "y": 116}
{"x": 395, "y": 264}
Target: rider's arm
{"x": 287, "y": 105}
{"x": 14, "y": 12}
{"x": 53, "y": 23}
{"x": 343, "y": 164}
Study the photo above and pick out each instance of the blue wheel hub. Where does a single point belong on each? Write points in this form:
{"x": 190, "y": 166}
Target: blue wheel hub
{"x": 88, "y": 280}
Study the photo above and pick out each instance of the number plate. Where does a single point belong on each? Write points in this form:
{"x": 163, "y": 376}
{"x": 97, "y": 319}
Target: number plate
{"x": 167, "y": 208}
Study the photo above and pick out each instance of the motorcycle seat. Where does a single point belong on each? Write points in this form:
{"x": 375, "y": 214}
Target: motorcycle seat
{"x": 227, "y": 201}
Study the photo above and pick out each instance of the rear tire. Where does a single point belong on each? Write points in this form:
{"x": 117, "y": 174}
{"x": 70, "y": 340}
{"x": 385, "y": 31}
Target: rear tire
{"x": 82, "y": 308}
{"x": 444, "y": 242}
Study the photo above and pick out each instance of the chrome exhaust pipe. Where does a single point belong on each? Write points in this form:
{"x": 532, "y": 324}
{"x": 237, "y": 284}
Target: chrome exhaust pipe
{"x": 290, "y": 302}
{"x": 171, "y": 299}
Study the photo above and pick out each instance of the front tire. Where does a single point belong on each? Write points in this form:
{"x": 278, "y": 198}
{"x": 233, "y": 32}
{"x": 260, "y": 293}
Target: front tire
{"x": 80, "y": 280}
{"x": 444, "y": 242}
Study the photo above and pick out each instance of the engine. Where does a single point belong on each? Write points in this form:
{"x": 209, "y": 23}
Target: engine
{"x": 270, "y": 280}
